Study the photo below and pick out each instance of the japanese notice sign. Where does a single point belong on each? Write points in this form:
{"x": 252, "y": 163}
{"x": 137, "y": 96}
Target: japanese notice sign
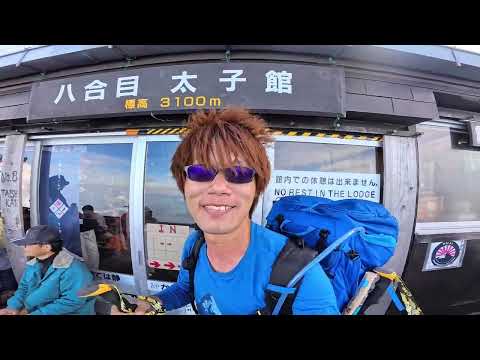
{"x": 165, "y": 245}
{"x": 331, "y": 185}
{"x": 444, "y": 255}
{"x": 261, "y": 87}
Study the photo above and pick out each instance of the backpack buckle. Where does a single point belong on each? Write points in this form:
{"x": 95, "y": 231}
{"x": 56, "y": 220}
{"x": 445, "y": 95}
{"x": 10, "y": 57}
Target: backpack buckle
{"x": 352, "y": 254}
{"x": 280, "y": 219}
{"x": 298, "y": 240}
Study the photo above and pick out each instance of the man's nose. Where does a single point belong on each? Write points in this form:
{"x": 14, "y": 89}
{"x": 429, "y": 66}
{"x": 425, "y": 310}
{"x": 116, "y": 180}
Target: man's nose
{"x": 219, "y": 184}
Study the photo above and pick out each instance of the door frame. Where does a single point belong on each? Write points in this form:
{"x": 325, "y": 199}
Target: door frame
{"x": 129, "y": 283}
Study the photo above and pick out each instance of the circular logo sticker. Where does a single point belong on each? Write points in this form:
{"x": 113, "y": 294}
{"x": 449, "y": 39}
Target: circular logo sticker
{"x": 445, "y": 253}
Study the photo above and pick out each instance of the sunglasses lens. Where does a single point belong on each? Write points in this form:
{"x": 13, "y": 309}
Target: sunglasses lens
{"x": 200, "y": 173}
{"x": 239, "y": 174}
{"x": 235, "y": 174}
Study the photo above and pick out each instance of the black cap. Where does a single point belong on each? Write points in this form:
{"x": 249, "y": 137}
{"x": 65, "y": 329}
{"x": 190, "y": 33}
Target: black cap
{"x": 40, "y": 234}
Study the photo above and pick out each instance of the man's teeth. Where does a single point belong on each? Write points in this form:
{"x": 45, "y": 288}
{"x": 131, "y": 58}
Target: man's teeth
{"x": 218, "y": 208}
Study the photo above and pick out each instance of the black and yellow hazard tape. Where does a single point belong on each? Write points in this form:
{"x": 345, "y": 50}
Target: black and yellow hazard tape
{"x": 156, "y": 131}
{"x": 318, "y": 134}
{"x": 324, "y": 134}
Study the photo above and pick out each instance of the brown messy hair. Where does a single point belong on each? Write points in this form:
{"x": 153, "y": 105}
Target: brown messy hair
{"x": 216, "y": 135}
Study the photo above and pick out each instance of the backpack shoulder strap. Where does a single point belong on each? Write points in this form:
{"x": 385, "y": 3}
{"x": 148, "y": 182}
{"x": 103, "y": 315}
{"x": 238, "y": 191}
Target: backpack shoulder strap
{"x": 289, "y": 262}
{"x": 190, "y": 264}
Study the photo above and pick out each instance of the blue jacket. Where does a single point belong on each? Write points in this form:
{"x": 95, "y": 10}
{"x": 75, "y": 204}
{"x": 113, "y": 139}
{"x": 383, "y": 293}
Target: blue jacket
{"x": 56, "y": 293}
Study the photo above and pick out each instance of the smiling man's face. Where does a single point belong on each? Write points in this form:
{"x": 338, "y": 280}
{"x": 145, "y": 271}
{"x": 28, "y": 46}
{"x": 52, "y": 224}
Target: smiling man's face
{"x": 220, "y": 207}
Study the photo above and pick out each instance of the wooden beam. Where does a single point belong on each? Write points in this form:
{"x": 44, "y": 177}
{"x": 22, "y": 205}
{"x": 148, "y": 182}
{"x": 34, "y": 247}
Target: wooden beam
{"x": 400, "y": 186}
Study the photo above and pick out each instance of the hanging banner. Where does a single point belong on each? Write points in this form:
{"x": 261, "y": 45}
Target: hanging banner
{"x": 11, "y": 199}
{"x": 59, "y": 193}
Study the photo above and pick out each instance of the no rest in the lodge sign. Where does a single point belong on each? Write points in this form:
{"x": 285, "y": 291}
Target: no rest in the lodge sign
{"x": 262, "y": 87}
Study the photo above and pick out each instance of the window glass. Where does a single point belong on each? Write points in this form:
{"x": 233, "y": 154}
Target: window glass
{"x": 449, "y": 175}
{"x": 26, "y": 177}
{"x": 84, "y": 192}
{"x": 333, "y": 171}
{"x": 167, "y": 221}
{"x": 325, "y": 157}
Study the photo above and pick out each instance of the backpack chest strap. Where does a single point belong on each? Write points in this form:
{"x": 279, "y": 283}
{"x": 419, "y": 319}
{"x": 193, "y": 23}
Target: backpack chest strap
{"x": 289, "y": 262}
{"x": 280, "y": 289}
{"x": 190, "y": 264}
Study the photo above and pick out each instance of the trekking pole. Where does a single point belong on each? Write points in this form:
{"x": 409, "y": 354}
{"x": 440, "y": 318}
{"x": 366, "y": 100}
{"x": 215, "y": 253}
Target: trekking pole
{"x": 316, "y": 260}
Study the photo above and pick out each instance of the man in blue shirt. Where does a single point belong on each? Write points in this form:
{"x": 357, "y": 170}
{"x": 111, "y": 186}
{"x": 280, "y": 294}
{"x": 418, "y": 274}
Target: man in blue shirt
{"x": 221, "y": 167}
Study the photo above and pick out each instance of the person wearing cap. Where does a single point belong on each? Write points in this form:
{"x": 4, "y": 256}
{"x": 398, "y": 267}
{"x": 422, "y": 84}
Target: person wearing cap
{"x": 51, "y": 279}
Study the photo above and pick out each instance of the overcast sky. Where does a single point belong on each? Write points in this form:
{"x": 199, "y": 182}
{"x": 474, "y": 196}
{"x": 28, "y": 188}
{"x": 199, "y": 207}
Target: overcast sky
{"x": 473, "y": 48}
{"x": 7, "y": 49}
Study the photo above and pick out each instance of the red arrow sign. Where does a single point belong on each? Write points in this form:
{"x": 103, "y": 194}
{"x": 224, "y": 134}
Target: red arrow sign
{"x": 170, "y": 265}
{"x": 155, "y": 264}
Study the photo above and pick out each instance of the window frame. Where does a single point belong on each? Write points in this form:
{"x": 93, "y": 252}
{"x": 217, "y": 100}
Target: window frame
{"x": 151, "y": 286}
{"x": 314, "y": 140}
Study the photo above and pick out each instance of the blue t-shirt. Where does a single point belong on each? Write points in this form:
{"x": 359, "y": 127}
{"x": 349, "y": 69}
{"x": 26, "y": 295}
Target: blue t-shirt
{"x": 241, "y": 291}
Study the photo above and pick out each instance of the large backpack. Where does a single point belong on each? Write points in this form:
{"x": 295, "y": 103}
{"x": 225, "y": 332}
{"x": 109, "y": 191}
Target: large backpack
{"x": 317, "y": 223}
{"x": 314, "y": 226}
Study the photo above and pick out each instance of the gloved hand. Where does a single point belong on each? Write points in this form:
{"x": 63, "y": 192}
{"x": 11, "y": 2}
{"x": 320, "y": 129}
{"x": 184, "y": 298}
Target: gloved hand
{"x": 142, "y": 308}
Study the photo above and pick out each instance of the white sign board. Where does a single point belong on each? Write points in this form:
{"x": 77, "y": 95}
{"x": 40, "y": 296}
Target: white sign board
{"x": 330, "y": 185}
{"x": 165, "y": 245}
{"x": 125, "y": 282}
{"x": 444, "y": 255}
